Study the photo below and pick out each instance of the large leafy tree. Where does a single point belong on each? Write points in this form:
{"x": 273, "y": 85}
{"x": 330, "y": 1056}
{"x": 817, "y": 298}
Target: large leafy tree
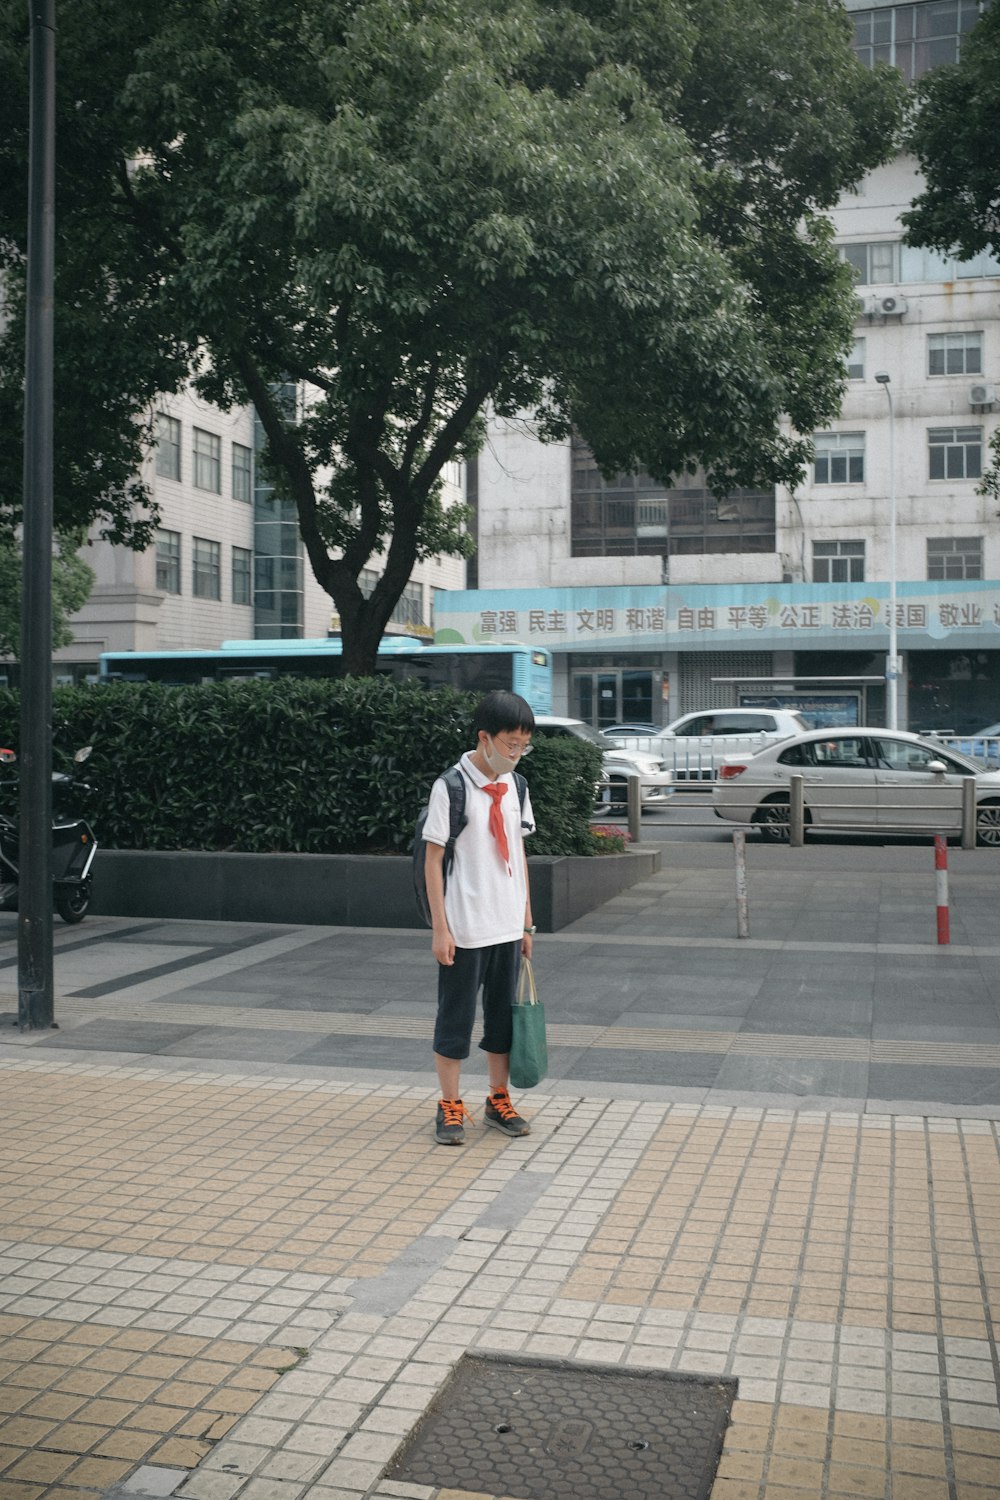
{"x": 608, "y": 214}
{"x": 954, "y": 134}
{"x": 72, "y": 580}
{"x": 956, "y": 127}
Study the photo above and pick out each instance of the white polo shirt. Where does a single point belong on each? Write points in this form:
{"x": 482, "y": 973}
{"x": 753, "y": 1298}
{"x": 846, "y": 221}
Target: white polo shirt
{"x": 483, "y": 900}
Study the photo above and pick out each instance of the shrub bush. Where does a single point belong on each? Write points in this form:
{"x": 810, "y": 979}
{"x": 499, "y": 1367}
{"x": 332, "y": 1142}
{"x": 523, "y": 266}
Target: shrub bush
{"x": 296, "y": 766}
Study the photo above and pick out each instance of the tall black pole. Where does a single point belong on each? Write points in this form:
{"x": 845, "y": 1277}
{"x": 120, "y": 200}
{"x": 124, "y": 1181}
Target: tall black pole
{"x": 35, "y": 1007}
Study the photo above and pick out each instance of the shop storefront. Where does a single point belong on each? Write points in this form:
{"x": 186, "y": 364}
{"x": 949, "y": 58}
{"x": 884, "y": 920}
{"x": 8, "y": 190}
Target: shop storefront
{"x": 649, "y": 654}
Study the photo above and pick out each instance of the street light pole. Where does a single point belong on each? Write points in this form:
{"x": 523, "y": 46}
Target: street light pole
{"x": 35, "y": 1002}
{"x": 892, "y": 660}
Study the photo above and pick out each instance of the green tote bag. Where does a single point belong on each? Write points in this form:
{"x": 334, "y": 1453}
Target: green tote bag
{"x": 529, "y": 1053}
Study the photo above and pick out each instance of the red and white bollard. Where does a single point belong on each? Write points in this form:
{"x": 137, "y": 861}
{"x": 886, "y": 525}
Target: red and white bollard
{"x": 941, "y": 880}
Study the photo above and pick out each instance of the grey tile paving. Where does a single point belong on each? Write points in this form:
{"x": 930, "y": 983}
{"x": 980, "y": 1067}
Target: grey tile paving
{"x": 801, "y": 1077}
{"x": 957, "y": 1086}
{"x": 115, "y": 1036}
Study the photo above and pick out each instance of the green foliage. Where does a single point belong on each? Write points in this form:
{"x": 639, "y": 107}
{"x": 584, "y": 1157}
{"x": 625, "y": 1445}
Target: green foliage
{"x": 954, "y": 134}
{"x": 318, "y": 767}
{"x": 990, "y": 485}
{"x": 561, "y": 775}
{"x": 608, "y": 216}
{"x": 72, "y": 581}
{"x": 956, "y": 126}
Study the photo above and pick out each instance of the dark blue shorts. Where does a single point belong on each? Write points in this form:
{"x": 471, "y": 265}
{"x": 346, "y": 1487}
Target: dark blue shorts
{"x": 493, "y": 970}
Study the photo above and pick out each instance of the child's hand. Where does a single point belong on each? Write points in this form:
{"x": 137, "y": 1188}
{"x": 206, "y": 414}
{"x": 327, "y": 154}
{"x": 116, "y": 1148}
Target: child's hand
{"x": 443, "y": 946}
{"x": 526, "y": 943}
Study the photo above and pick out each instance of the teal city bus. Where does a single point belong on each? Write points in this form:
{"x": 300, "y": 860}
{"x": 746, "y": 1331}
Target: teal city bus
{"x": 475, "y": 669}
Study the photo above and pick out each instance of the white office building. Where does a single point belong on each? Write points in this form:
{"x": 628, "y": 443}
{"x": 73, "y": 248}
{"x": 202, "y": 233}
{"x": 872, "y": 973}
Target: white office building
{"x": 228, "y": 561}
{"x": 658, "y": 601}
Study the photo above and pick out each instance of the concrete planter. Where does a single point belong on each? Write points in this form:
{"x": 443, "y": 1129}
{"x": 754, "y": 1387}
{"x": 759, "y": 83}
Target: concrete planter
{"x": 337, "y": 890}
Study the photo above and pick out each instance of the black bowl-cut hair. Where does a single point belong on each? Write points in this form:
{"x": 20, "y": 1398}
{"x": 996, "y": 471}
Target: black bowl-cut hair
{"x": 500, "y": 711}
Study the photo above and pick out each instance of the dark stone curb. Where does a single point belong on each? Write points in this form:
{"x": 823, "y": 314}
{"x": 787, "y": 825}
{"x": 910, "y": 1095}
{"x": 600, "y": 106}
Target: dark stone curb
{"x": 335, "y": 890}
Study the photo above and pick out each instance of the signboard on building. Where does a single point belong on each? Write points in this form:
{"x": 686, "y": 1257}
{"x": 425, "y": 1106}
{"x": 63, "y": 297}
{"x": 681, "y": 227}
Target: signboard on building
{"x": 793, "y": 616}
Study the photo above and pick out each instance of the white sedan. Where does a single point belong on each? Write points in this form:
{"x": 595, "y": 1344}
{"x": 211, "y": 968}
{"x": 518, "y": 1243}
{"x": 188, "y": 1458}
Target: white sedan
{"x": 864, "y": 780}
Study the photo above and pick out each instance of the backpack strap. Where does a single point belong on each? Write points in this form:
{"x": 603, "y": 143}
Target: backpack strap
{"x": 457, "y": 819}
{"x": 454, "y": 780}
{"x": 522, "y": 792}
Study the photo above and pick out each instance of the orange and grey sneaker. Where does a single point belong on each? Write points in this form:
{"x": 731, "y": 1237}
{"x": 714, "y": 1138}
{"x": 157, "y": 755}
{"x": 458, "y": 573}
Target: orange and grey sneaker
{"x": 502, "y": 1115}
{"x": 450, "y": 1130}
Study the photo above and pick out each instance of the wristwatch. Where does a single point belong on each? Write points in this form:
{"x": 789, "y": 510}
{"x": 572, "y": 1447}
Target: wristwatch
{"x": 531, "y": 930}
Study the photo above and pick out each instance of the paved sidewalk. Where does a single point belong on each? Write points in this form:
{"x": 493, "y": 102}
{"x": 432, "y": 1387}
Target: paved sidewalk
{"x": 235, "y": 1265}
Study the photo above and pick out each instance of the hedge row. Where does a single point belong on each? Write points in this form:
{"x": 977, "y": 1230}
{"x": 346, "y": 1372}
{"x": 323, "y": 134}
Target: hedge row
{"x": 295, "y": 766}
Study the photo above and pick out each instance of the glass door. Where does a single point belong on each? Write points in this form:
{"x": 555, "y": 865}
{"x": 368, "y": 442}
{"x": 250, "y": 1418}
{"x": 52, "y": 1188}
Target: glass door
{"x": 613, "y": 696}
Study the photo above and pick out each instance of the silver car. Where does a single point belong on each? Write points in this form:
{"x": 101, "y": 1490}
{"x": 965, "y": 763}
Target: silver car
{"x": 864, "y": 780}
{"x": 694, "y": 746}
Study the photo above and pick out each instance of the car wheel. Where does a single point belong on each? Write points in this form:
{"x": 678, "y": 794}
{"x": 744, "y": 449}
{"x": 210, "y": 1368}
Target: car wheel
{"x": 772, "y": 820}
{"x": 988, "y": 825}
{"x": 618, "y": 795}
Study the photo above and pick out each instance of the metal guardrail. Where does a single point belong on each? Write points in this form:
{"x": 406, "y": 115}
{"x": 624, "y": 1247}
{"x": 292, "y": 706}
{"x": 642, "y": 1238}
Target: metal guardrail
{"x": 633, "y": 801}
{"x": 973, "y": 746}
{"x": 952, "y": 800}
{"x": 698, "y": 759}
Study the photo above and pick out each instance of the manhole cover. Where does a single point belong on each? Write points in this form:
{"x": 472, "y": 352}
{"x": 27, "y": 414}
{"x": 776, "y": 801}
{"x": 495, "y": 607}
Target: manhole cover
{"x": 538, "y": 1431}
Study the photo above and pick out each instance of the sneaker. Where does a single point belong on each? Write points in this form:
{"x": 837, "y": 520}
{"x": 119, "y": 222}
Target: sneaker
{"x": 450, "y": 1130}
{"x": 502, "y": 1115}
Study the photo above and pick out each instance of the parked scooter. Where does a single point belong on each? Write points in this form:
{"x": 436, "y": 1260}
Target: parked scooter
{"x": 73, "y": 844}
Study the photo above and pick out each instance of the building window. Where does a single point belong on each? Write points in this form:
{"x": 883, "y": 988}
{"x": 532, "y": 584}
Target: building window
{"x": 242, "y": 574}
{"x": 206, "y": 569}
{"x": 409, "y": 608}
{"x": 242, "y": 473}
{"x": 838, "y": 562}
{"x": 875, "y": 263}
{"x": 955, "y": 557}
{"x": 635, "y": 515}
{"x": 914, "y": 38}
{"x": 168, "y": 561}
{"x": 884, "y": 262}
{"x": 840, "y": 458}
{"x": 168, "y": 446}
{"x": 955, "y": 452}
{"x": 954, "y": 354}
{"x": 856, "y": 361}
{"x": 207, "y": 461}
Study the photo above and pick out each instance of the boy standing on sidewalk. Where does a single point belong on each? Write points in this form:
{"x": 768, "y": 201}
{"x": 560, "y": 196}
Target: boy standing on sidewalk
{"x": 482, "y": 918}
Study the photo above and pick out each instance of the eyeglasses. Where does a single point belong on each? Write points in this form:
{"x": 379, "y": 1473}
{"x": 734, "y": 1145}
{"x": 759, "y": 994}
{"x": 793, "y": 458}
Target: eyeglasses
{"x": 514, "y": 751}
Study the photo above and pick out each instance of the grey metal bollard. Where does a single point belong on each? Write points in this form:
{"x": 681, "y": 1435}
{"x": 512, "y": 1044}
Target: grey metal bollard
{"x": 796, "y": 812}
{"x": 742, "y": 901}
{"x": 968, "y": 812}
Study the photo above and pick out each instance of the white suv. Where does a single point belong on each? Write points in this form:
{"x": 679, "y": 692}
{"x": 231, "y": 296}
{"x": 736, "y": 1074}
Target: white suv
{"x": 695, "y": 745}
{"x": 619, "y": 762}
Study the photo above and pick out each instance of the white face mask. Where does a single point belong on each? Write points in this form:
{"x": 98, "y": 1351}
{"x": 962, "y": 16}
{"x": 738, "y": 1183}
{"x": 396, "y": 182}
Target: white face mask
{"x": 498, "y": 763}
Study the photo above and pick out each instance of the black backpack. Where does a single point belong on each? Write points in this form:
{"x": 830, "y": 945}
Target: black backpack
{"x": 455, "y": 782}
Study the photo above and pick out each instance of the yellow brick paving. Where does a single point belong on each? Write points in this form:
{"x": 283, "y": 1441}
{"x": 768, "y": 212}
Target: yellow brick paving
{"x": 237, "y": 1175}
{"x": 82, "y": 1405}
{"x": 877, "y": 1235}
{"x": 284, "y": 1181}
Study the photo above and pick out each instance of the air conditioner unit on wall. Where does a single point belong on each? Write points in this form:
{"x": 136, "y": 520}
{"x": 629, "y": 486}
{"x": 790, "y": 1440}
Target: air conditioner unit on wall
{"x": 982, "y": 395}
{"x": 890, "y": 304}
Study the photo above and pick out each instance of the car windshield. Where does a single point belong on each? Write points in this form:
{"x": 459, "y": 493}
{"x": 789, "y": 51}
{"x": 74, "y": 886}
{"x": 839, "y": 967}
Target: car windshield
{"x": 584, "y": 732}
{"x": 991, "y": 732}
